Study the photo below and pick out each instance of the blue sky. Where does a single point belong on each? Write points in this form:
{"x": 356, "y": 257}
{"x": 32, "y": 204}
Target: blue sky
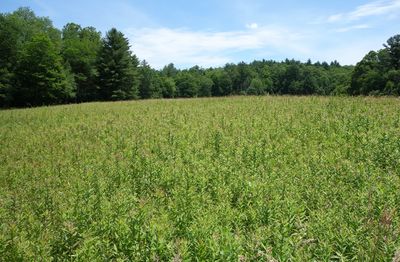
{"x": 212, "y": 33}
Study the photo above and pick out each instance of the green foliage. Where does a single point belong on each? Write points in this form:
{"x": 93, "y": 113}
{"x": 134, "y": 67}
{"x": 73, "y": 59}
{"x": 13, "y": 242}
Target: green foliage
{"x": 241, "y": 81}
{"x": 16, "y": 30}
{"x": 205, "y": 86}
{"x": 186, "y": 84}
{"x": 95, "y": 68}
{"x": 117, "y": 74}
{"x": 256, "y": 87}
{"x": 80, "y": 47}
{"x": 393, "y": 83}
{"x": 294, "y": 77}
{"x": 169, "y": 70}
{"x": 265, "y": 76}
{"x": 376, "y": 73}
{"x": 222, "y": 83}
{"x": 25, "y": 25}
{"x": 168, "y": 87}
{"x": 42, "y": 79}
{"x": 221, "y": 179}
{"x": 105, "y": 69}
{"x": 6, "y": 78}
{"x": 150, "y": 85}
{"x": 8, "y": 39}
{"x": 393, "y": 48}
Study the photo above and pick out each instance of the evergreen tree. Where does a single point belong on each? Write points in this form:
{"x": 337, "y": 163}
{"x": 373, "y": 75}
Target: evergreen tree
{"x": 117, "y": 74}
{"x": 169, "y": 70}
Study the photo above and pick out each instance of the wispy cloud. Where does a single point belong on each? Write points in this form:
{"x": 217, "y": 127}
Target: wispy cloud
{"x": 160, "y": 46}
{"x": 252, "y": 26}
{"x": 336, "y": 18}
{"x": 351, "y": 28}
{"x": 377, "y": 8}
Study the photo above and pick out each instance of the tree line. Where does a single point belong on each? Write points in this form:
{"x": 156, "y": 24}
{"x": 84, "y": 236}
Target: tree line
{"x": 378, "y": 73}
{"x": 42, "y": 65}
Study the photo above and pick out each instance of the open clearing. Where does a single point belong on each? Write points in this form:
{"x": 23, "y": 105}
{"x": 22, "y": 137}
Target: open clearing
{"x": 241, "y": 178}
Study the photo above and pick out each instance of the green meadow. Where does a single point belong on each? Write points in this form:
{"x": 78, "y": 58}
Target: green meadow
{"x": 214, "y": 179}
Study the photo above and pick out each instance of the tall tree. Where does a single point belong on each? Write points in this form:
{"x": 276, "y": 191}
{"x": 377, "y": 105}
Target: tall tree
{"x": 117, "y": 75}
{"x": 16, "y": 29}
{"x": 205, "y": 86}
{"x": 367, "y": 77}
{"x": 169, "y": 70}
{"x": 222, "y": 83}
{"x": 245, "y": 75}
{"x": 80, "y": 47}
{"x": 150, "y": 83}
{"x": 8, "y": 40}
{"x": 186, "y": 84}
{"x": 168, "y": 87}
{"x": 393, "y": 47}
{"x": 42, "y": 80}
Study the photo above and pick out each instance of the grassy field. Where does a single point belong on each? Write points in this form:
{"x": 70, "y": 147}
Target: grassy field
{"x": 229, "y": 179}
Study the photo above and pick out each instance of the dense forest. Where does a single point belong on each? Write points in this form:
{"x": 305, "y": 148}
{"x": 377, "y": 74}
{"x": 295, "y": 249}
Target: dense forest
{"x": 42, "y": 65}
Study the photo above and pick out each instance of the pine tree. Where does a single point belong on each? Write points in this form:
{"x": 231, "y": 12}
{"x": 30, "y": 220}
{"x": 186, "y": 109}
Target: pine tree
{"x": 117, "y": 74}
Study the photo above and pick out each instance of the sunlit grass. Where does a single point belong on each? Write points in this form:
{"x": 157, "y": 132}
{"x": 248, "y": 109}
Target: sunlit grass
{"x": 228, "y": 179}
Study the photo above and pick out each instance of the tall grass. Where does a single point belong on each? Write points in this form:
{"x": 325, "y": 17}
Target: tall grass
{"x": 228, "y": 179}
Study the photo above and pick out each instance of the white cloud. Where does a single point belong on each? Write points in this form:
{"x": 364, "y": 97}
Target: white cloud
{"x": 335, "y": 18}
{"x": 160, "y": 46}
{"x": 375, "y": 8}
{"x": 383, "y": 7}
{"x": 350, "y": 28}
{"x": 252, "y": 26}
{"x": 185, "y": 47}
